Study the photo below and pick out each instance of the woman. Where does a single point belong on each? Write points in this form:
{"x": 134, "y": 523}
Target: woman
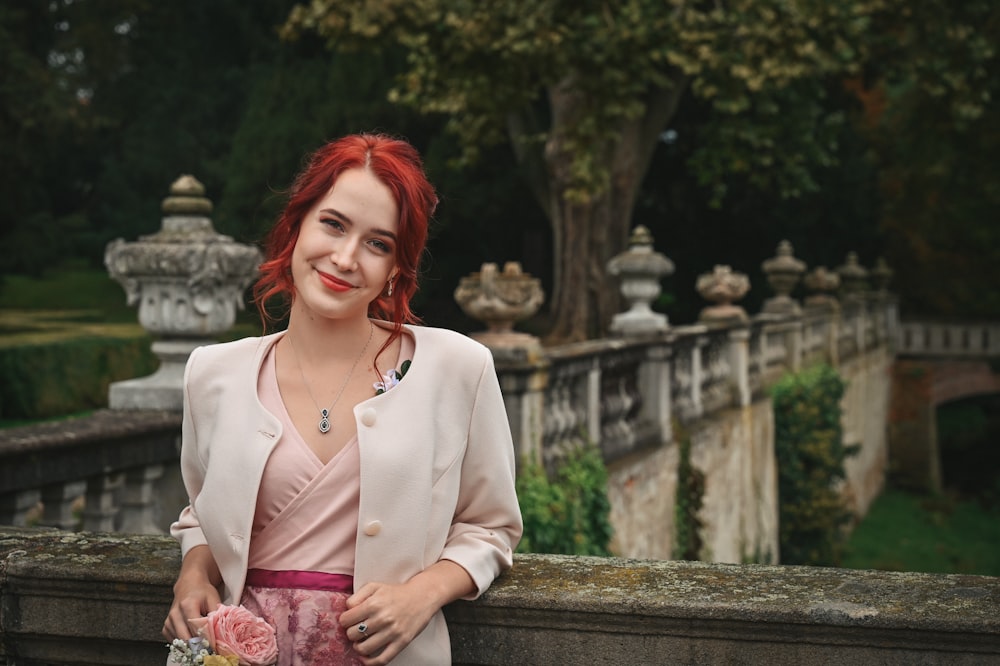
{"x": 341, "y": 503}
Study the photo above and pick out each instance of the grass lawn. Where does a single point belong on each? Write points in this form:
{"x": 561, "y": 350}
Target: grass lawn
{"x": 909, "y": 532}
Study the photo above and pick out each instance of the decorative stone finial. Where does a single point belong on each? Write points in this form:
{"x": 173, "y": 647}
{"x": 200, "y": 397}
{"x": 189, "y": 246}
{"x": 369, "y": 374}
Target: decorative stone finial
{"x": 187, "y": 197}
{"x": 823, "y": 285}
{"x": 723, "y": 287}
{"x": 783, "y": 272}
{"x": 853, "y": 276}
{"x": 188, "y": 282}
{"x": 500, "y": 300}
{"x": 640, "y": 269}
{"x": 881, "y": 274}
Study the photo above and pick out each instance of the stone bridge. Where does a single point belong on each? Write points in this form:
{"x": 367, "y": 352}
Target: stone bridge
{"x": 936, "y": 363}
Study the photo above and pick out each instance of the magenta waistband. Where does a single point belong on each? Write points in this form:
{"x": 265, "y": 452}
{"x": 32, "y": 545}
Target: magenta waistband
{"x": 301, "y": 580}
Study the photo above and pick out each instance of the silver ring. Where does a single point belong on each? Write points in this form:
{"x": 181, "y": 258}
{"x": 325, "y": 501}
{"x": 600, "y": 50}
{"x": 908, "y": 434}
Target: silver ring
{"x": 363, "y": 629}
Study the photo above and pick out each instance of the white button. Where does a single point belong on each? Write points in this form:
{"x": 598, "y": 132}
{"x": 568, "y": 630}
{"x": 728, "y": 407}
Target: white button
{"x": 368, "y": 417}
{"x": 373, "y": 528}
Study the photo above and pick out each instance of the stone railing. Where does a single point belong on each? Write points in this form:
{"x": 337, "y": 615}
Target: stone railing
{"x": 624, "y": 393}
{"x": 97, "y": 473}
{"x": 631, "y": 392}
{"x": 949, "y": 339}
{"x": 101, "y": 599}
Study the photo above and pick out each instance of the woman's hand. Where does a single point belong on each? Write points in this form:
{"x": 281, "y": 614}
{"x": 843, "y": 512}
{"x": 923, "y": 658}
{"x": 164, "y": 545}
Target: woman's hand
{"x": 196, "y": 592}
{"x": 393, "y": 615}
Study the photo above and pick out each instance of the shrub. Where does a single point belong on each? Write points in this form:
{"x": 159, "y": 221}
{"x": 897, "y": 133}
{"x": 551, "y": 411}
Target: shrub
{"x": 810, "y": 452}
{"x": 58, "y": 377}
{"x": 569, "y": 514}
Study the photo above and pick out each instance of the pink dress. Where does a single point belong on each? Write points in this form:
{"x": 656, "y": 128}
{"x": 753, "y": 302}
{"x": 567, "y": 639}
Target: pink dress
{"x": 305, "y": 523}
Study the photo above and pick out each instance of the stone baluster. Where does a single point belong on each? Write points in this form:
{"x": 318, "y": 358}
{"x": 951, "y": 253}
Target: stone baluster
{"x": 640, "y": 270}
{"x": 15, "y": 507}
{"x": 739, "y": 365}
{"x": 138, "y": 507}
{"x": 698, "y": 374}
{"x": 654, "y": 386}
{"x": 523, "y": 389}
{"x": 59, "y": 501}
{"x": 101, "y": 509}
{"x": 593, "y": 404}
{"x": 188, "y": 282}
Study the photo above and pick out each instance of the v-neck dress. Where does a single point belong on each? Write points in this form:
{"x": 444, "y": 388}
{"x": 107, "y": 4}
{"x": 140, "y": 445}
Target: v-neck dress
{"x": 306, "y": 520}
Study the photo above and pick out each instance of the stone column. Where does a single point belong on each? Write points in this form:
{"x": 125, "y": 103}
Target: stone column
{"x": 188, "y": 282}
{"x": 640, "y": 269}
{"x": 500, "y": 299}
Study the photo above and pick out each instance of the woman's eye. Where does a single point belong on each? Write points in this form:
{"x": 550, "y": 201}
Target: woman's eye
{"x": 381, "y": 246}
{"x": 332, "y": 223}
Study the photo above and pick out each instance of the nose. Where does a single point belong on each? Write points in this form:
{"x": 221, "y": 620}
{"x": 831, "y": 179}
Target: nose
{"x": 344, "y": 254}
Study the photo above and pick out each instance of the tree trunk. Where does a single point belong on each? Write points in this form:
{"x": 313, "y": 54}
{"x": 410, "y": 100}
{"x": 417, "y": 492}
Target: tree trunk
{"x": 586, "y": 235}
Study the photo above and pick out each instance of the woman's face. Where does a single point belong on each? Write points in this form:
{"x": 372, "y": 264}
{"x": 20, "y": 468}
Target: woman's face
{"x": 346, "y": 249}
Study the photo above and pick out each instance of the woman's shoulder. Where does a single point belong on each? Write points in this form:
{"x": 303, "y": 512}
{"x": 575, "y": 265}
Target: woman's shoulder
{"x": 234, "y": 350}
{"x": 447, "y": 341}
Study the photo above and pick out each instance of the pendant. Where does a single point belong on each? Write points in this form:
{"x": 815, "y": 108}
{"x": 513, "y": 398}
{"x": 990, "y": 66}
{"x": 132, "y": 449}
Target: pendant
{"x": 324, "y": 423}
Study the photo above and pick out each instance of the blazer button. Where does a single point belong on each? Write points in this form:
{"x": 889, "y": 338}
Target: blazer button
{"x": 373, "y": 528}
{"x": 368, "y": 417}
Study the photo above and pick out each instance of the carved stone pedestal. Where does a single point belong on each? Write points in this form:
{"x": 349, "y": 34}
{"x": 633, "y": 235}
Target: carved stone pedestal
{"x": 187, "y": 281}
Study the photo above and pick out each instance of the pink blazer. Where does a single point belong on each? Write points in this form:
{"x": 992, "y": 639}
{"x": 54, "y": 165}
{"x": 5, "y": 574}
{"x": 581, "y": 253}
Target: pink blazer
{"x": 437, "y": 468}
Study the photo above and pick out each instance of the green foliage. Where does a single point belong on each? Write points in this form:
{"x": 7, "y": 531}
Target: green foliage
{"x": 60, "y": 377}
{"x": 480, "y": 63}
{"x": 810, "y": 454}
{"x": 569, "y": 514}
{"x": 687, "y": 504}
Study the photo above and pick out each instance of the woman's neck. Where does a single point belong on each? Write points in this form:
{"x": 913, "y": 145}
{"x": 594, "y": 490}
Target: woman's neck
{"x": 323, "y": 339}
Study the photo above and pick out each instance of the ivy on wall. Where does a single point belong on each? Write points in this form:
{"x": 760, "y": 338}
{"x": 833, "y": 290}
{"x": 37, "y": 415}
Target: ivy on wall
{"x": 811, "y": 453}
{"x": 687, "y": 504}
{"x": 568, "y": 514}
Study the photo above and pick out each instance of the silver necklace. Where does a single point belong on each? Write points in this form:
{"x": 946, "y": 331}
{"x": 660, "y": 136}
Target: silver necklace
{"x": 324, "y": 414}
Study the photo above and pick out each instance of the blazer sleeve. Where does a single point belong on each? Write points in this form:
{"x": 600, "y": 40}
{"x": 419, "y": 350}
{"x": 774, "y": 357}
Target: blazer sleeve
{"x": 187, "y": 528}
{"x": 487, "y": 523}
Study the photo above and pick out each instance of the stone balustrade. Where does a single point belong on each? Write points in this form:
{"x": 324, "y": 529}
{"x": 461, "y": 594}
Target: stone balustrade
{"x": 949, "y": 339}
{"x": 96, "y": 473}
{"x": 625, "y": 394}
{"x": 91, "y": 598}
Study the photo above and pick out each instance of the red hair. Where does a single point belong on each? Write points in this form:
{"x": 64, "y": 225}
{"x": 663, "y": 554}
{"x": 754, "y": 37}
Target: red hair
{"x": 398, "y": 166}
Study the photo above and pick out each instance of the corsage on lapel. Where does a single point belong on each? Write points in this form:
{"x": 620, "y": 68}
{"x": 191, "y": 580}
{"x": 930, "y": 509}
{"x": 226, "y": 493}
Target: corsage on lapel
{"x": 391, "y": 378}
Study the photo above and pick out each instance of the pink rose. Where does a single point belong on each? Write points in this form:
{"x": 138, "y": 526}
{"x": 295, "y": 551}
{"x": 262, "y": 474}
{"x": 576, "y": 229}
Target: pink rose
{"x": 235, "y": 631}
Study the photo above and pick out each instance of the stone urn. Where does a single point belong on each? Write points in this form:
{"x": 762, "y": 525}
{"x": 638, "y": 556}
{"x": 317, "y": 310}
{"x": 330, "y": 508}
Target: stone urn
{"x": 822, "y": 285}
{"x": 723, "y": 287}
{"x": 853, "y": 276}
{"x": 188, "y": 282}
{"x": 783, "y": 273}
{"x": 881, "y": 274}
{"x": 501, "y": 299}
{"x": 640, "y": 270}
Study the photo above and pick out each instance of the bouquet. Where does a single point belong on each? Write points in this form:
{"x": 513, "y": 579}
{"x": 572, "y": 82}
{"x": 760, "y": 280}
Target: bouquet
{"x": 228, "y": 636}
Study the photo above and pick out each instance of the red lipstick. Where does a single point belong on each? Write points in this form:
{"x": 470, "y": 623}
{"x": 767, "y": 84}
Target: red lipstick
{"x": 334, "y": 283}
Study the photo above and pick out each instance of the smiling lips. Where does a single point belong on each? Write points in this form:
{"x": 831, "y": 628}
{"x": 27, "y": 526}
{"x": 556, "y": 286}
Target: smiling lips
{"x": 336, "y": 284}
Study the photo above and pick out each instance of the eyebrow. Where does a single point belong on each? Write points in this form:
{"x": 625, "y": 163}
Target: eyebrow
{"x": 376, "y": 230}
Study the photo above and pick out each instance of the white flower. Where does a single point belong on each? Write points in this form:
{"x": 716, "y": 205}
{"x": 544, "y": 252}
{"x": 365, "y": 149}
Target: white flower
{"x": 389, "y": 380}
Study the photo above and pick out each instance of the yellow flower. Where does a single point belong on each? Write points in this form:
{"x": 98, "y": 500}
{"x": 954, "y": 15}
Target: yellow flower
{"x": 221, "y": 660}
